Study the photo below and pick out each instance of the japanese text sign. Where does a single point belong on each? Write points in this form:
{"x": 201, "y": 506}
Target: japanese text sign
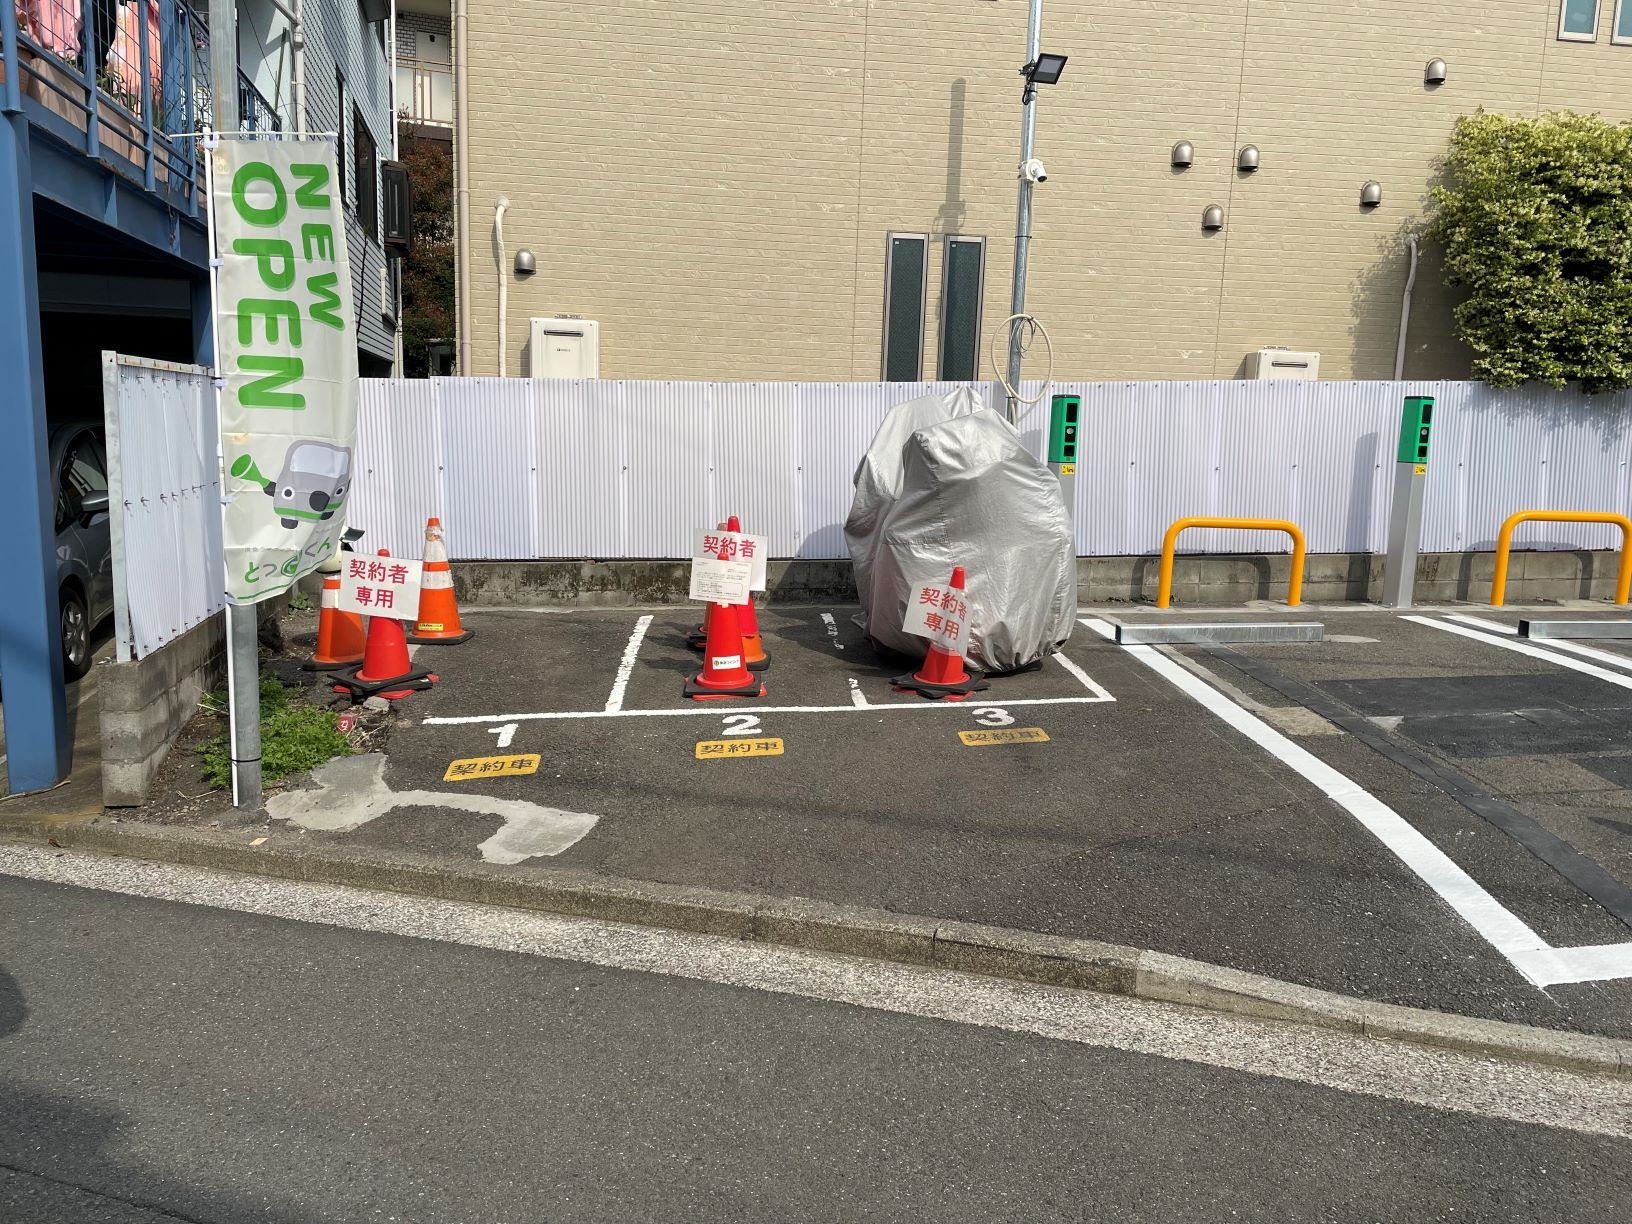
{"x": 380, "y": 586}
{"x": 491, "y": 767}
{"x": 738, "y": 547}
{"x": 728, "y": 750}
{"x": 941, "y": 614}
{"x": 716, "y": 581}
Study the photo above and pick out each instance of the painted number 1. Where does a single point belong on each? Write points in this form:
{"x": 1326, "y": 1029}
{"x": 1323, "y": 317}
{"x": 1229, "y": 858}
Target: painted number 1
{"x": 505, "y": 733}
{"x": 741, "y": 724}
{"x": 993, "y": 717}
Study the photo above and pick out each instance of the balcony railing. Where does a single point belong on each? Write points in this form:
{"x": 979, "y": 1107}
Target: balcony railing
{"x": 125, "y": 81}
{"x": 425, "y": 92}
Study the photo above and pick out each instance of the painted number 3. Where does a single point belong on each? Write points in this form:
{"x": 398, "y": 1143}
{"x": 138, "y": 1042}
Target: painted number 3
{"x": 741, "y": 724}
{"x": 993, "y": 717}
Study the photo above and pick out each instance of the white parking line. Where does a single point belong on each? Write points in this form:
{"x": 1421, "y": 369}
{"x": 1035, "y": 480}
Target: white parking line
{"x": 1524, "y": 648}
{"x": 858, "y": 701}
{"x": 626, "y": 666}
{"x": 715, "y": 711}
{"x": 1532, "y": 956}
{"x": 1087, "y": 680}
{"x": 1586, "y": 652}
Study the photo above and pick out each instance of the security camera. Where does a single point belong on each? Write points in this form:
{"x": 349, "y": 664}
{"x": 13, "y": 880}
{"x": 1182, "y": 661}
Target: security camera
{"x": 1034, "y": 171}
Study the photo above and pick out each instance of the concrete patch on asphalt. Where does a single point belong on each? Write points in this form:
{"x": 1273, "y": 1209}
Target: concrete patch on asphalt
{"x": 351, "y": 791}
{"x": 1295, "y": 720}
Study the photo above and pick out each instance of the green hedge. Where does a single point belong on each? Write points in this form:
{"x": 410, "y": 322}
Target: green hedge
{"x": 1537, "y": 229}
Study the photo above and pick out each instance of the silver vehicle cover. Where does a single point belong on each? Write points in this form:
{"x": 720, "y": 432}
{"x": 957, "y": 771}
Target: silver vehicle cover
{"x": 947, "y": 482}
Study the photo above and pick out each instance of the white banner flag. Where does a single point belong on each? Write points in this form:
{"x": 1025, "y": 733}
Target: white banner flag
{"x": 287, "y": 349}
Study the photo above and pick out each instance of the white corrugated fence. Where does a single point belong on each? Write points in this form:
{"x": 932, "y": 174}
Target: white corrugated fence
{"x": 164, "y": 500}
{"x": 524, "y": 469}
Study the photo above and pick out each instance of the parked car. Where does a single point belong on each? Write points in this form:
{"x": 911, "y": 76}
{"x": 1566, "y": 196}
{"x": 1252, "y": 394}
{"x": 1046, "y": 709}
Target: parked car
{"x": 84, "y": 541}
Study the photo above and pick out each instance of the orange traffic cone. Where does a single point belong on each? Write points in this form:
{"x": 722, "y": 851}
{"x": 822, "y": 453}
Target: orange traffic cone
{"x": 943, "y": 675}
{"x": 698, "y": 637}
{"x": 753, "y": 648}
{"x": 438, "y": 623}
{"x": 724, "y": 673}
{"x": 339, "y": 634}
{"x": 386, "y": 670}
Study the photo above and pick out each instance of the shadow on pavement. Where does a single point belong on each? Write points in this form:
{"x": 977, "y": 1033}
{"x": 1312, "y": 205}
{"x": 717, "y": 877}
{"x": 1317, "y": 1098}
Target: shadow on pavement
{"x": 58, "y": 1162}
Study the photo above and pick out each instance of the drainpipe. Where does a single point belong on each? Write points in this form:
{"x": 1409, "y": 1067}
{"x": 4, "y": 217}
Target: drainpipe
{"x": 462, "y": 182}
{"x": 1405, "y": 315}
{"x": 396, "y": 156}
{"x": 499, "y": 206}
{"x": 297, "y": 38}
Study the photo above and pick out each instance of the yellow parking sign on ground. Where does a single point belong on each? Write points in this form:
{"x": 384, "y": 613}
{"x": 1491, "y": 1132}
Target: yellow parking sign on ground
{"x": 491, "y": 767}
{"x": 723, "y": 750}
{"x": 1004, "y": 735}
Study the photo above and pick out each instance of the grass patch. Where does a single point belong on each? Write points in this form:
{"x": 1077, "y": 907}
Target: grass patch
{"x": 295, "y": 736}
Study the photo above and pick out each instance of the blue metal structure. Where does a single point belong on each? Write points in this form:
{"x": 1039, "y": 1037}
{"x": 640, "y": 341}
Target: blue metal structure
{"x": 100, "y": 124}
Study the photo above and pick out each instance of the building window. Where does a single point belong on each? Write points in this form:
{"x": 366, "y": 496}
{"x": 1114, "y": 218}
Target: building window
{"x": 904, "y": 268}
{"x": 368, "y": 175}
{"x": 340, "y": 135}
{"x": 1578, "y": 20}
{"x": 963, "y": 277}
{"x": 1622, "y": 33}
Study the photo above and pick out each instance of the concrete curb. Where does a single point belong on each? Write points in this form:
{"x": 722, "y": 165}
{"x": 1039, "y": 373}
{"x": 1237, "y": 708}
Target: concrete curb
{"x": 821, "y": 926}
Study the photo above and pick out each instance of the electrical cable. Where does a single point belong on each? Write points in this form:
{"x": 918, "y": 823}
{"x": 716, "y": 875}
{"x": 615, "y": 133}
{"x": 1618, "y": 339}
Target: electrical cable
{"x": 1034, "y": 328}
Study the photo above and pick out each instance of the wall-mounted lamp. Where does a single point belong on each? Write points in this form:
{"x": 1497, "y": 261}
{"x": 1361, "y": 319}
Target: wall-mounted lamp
{"x": 526, "y": 265}
{"x": 1044, "y": 70}
{"x": 1434, "y": 73}
{"x": 1184, "y": 154}
{"x": 1371, "y": 194}
{"x": 1212, "y": 217}
{"x": 1247, "y": 160}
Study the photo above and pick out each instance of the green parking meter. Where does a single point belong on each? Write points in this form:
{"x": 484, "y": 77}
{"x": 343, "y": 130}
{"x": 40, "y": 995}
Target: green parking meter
{"x": 1405, "y": 519}
{"x": 1416, "y": 423}
{"x": 1064, "y": 424}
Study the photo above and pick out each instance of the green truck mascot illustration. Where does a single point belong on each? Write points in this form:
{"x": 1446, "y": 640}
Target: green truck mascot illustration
{"x": 312, "y": 485}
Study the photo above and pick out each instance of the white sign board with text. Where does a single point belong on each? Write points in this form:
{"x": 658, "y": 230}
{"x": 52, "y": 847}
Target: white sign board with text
{"x": 381, "y": 586}
{"x": 716, "y": 581}
{"x": 738, "y": 547}
{"x": 941, "y": 614}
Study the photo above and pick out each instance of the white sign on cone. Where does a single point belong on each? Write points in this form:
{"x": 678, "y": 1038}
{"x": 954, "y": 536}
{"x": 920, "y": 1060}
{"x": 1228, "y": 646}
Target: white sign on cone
{"x": 716, "y": 581}
{"x": 940, "y": 613}
{"x": 287, "y": 354}
{"x": 381, "y": 586}
{"x": 738, "y": 547}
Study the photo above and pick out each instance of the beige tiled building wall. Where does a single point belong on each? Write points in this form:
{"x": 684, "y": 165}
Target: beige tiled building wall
{"x": 714, "y": 180}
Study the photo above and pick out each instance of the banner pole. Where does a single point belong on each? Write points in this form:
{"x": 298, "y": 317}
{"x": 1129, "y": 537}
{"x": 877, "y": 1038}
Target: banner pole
{"x": 243, "y": 657}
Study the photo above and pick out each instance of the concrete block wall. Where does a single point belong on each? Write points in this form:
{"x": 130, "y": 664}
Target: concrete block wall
{"x": 714, "y": 180}
{"x": 145, "y": 704}
{"x": 1212, "y": 580}
{"x": 409, "y": 24}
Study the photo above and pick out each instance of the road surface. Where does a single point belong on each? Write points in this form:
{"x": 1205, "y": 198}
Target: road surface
{"x": 178, "y": 1044}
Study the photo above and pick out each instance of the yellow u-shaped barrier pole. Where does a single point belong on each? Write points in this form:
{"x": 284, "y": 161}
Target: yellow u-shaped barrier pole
{"x": 1294, "y": 596}
{"x": 1504, "y": 545}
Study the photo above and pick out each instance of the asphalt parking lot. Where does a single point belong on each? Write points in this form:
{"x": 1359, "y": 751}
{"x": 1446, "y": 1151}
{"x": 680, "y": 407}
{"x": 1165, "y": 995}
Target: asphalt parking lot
{"x": 1411, "y": 810}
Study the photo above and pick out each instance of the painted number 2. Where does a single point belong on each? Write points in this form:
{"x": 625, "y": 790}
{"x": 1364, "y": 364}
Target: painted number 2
{"x": 741, "y": 724}
{"x": 993, "y": 717}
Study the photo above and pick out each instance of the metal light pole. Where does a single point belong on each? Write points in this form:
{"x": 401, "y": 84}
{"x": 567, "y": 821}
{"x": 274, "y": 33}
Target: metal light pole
{"x": 243, "y": 658}
{"x": 1022, "y": 229}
